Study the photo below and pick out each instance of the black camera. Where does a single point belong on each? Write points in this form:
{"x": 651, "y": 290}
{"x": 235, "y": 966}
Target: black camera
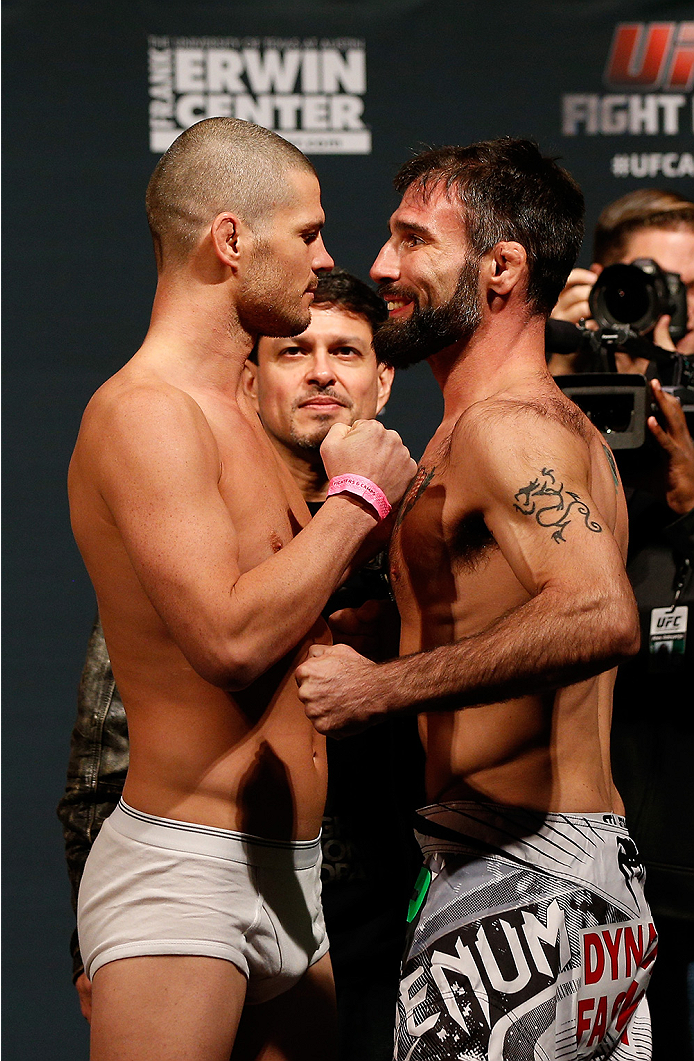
{"x": 637, "y": 296}
{"x": 619, "y": 404}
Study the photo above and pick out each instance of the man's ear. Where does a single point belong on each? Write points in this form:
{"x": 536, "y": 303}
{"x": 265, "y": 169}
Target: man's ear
{"x": 249, "y": 382}
{"x": 385, "y": 381}
{"x": 508, "y": 266}
{"x": 226, "y": 233}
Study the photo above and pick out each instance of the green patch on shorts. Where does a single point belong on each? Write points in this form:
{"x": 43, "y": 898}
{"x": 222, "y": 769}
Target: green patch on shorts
{"x": 421, "y": 887}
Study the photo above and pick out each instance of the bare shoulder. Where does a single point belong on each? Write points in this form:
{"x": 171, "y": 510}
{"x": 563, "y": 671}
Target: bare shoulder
{"x": 144, "y": 403}
{"x": 510, "y": 427}
{"x": 137, "y": 418}
{"x": 128, "y": 398}
{"x": 510, "y": 450}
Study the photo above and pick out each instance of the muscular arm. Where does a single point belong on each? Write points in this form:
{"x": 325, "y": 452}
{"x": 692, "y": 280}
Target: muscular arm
{"x": 156, "y": 465}
{"x": 533, "y": 490}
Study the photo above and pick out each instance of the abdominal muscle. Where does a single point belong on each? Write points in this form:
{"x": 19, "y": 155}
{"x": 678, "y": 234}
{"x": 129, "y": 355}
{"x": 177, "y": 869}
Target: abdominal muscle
{"x": 545, "y": 752}
{"x": 248, "y": 761}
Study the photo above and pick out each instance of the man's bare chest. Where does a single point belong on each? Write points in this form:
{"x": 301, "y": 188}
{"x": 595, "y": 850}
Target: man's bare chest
{"x": 437, "y": 544}
{"x": 265, "y": 505}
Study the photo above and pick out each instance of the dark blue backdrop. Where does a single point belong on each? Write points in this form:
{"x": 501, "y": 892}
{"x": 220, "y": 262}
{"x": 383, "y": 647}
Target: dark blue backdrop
{"x": 86, "y": 87}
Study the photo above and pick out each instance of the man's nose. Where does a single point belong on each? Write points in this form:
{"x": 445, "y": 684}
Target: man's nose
{"x": 320, "y": 369}
{"x": 386, "y": 265}
{"x": 321, "y": 258}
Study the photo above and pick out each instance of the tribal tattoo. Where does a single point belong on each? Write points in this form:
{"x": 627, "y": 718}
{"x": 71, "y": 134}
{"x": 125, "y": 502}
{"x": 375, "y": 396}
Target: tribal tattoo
{"x": 415, "y": 490}
{"x": 560, "y": 505}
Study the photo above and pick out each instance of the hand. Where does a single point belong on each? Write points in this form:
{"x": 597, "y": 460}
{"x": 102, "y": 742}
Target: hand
{"x": 336, "y": 691}
{"x": 572, "y": 304}
{"x": 84, "y": 993}
{"x": 661, "y": 337}
{"x": 678, "y": 447}
{"x": 661, "y": 334}
{"x": 367, "y": 448}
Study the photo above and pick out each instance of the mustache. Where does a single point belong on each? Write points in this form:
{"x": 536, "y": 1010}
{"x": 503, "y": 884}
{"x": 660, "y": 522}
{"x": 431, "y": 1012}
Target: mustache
{"x": 387, "y": 291}
{"x": 322, "y": 392}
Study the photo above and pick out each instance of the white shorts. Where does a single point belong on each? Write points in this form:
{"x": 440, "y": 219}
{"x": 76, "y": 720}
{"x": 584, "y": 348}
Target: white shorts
{"x": 159, "y": 886}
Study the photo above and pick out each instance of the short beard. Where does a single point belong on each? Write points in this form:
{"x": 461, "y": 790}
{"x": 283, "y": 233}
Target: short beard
{"x": 264, "y": 316}
{"x": 311, "y": 441}
{"x": 400, "y": 344}
{"x": 265, "y": 308}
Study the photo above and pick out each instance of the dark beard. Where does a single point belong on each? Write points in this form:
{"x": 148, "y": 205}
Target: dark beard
{"x": 259, "y": 318}
{"x": 400, "y": 344}
{"x": 309, "y": 443}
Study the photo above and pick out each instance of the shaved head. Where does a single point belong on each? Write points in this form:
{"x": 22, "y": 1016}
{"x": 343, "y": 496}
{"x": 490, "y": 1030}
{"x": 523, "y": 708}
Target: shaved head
{"x": 216, "y": 165}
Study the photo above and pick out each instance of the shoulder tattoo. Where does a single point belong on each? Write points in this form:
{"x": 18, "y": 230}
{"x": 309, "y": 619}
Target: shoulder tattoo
{"x": 552, "y": 505}
{"x": 414, "y": 492}
{"x": 613, "y": 466}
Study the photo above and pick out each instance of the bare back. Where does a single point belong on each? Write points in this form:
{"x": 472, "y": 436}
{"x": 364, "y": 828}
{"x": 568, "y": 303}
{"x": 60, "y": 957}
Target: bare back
{"x": 155, "y": 540}
{"x": 516, "y": 499}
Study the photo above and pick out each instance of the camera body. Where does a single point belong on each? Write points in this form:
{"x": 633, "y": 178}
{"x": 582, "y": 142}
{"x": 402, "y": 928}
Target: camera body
{"x": 637, "y": 296}
{"x": 619, "y": 405}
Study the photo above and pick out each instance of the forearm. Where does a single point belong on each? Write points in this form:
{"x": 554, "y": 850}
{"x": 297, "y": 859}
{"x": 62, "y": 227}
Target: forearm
{"x": 272, "y": 606}
{"x": 533, "y": 648}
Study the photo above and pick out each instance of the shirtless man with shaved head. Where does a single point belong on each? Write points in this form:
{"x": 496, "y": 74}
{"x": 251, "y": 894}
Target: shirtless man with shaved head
{"x": 530, "y": 934}
{"x": 202, "y": 889}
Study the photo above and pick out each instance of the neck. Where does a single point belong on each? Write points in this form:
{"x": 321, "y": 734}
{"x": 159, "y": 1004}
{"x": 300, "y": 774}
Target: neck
{"x": 307, "y": 469}
{"x": 195, "y": 336}
{"x": 503, "y": 352}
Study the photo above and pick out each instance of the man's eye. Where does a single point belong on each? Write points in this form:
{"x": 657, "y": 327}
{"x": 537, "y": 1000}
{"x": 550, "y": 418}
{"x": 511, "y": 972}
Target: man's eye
{"x": 291, "y": 351}
{"x": 346, "y": 351}
{"x": 412, "y": 240}
{"x": 310, "y": 237}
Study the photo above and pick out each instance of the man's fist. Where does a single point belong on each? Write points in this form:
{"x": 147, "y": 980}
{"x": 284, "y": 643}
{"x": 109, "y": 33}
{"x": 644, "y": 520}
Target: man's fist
{"x": 368, "y": 449}
{"x": 335, "y": 687}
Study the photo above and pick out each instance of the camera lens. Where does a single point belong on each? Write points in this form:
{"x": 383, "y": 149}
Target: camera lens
{"x": 627, "y": 304}
{"x": 628, "y": 295}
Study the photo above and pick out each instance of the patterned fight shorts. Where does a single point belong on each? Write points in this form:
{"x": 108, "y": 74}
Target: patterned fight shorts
{"x": 530, "y": 939}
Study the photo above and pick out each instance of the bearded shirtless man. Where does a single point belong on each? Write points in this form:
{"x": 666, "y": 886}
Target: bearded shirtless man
{"x": 201, "y": 891}
{"x": 530, "y": 935}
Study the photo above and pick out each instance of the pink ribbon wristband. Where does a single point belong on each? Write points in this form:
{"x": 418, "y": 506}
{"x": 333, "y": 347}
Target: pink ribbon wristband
{"x": 360, "y": 487}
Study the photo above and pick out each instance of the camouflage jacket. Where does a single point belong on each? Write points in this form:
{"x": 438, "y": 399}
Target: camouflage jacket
{"x": 97, "y": 768}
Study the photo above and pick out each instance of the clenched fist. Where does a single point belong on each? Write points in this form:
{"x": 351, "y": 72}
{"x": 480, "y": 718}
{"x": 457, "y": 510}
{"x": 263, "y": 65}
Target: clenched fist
{"x": 368, "y": 449}
{"x": 338, "y": 689}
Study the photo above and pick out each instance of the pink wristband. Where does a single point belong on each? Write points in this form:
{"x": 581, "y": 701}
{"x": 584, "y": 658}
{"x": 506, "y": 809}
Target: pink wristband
{"x": 360, "y": 487}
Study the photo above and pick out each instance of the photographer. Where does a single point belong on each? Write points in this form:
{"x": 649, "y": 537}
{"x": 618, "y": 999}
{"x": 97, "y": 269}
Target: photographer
{"x": 644, "y": 224}
{"x": 653, "y": 726}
